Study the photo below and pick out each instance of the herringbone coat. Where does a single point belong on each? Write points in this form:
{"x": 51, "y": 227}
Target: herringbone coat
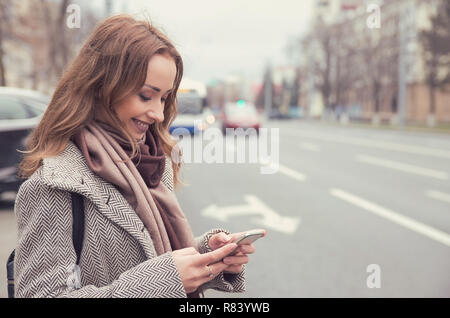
{"x": 118, "y": 258}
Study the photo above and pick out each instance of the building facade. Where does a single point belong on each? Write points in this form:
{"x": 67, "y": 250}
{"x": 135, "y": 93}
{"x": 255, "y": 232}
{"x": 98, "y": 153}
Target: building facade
{"x": 367, "y": 61}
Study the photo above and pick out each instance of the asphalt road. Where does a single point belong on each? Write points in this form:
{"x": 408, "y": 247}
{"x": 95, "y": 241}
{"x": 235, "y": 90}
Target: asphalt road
{"x": 350, "y": 212}
{"x": 361, "y": 197}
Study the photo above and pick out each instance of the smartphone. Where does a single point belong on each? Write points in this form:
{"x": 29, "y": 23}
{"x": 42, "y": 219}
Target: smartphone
{"x": 248, "y": 238}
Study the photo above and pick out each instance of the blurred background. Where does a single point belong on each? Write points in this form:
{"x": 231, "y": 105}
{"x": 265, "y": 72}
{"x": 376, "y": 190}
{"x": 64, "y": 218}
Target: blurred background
{"x": 359, "y": 92}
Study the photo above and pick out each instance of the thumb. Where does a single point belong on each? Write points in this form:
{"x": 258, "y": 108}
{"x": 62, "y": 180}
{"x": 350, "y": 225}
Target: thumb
{"x": 219, "y": 240}
{"x": 224, "y": 238}
{"x": 218, "y": 254}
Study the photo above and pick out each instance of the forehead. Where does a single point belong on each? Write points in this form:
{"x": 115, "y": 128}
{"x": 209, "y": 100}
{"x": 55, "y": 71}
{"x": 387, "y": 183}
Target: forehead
{"x": 161, "y": 71}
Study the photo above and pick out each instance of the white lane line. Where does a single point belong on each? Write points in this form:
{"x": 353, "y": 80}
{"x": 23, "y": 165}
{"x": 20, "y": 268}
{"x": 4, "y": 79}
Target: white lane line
{"x": 441, "y": 175}
{"x": 392, "y": 216}
{"x": 364, "y": 142}
{"x": 438, "y": 195}
{"x": 309, "y": 146}
{"x": 291, "y": 173}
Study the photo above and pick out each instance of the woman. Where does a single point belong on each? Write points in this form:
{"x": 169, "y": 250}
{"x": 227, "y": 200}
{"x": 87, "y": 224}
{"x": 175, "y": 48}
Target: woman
{"x": 105, "y": 136}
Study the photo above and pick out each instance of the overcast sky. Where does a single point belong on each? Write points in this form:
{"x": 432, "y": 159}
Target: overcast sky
{"x": 220, "y": 38}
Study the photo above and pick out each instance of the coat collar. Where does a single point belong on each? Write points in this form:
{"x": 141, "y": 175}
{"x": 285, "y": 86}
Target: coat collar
{"x": 69, "y": 171}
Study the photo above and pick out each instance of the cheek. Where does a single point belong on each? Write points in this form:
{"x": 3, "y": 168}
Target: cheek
{"x": 127, "y": 110}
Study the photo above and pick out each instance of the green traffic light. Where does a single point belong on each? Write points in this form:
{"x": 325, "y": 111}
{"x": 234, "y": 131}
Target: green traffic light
{"x": 241, "y": 103}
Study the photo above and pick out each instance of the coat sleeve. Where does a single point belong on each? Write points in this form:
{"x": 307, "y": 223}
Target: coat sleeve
{"x": 45, "y": 253}
{"x": 232, "y": 283}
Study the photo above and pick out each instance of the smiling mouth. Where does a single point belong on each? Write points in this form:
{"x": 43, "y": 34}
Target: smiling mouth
{"x": 140, "y": 125}
{"x": 141, "y": 121}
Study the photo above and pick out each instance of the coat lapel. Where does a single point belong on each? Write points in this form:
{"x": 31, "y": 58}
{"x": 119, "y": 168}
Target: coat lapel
{"x": 69, "y": 171}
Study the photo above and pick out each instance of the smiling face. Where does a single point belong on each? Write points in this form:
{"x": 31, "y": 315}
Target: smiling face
{"x": 140, "y": 110}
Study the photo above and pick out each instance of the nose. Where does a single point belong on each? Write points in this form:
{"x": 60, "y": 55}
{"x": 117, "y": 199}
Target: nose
{"x": 157, "y": 113}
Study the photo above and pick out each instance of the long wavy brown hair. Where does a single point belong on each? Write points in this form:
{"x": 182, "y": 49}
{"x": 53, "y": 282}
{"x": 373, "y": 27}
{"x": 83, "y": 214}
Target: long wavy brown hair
{"x": 111, "y": 66}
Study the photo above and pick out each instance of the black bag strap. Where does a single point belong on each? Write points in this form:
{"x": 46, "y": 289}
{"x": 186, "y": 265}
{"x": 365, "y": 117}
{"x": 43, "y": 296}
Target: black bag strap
{"x": 10, "y": 274}
{"x": 78, "y": 224}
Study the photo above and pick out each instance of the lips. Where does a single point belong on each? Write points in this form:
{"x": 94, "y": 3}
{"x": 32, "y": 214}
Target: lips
{"x": 140, "y": 125}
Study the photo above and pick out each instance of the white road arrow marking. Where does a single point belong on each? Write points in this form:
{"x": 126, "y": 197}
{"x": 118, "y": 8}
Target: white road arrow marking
{"x": 265, "y": 216}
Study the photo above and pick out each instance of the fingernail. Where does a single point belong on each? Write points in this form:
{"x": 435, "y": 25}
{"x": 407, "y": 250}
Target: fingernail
{"x": 227, "y": 261}
{"x": 226, "y": 238}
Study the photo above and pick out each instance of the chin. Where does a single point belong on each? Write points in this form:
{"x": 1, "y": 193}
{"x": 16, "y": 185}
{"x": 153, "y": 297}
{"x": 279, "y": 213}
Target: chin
{"x": 132, "y": 131}
{"x": 138, "y": 137}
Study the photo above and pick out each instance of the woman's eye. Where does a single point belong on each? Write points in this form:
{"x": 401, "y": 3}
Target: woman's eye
{"x": 144, "y": 98}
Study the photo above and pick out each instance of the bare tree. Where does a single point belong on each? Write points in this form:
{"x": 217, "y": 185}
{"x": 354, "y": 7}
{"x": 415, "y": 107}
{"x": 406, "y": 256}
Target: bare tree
{"x": 319, "y": 42}
{"x": 343, "y": 55}
{"x": 379, "y": 55}
{"x": 4, "y": 26}
{"x": 436, "y": 45}
{"x": 371, "y": 58}
{"x": 37, "y": 35}
{"x": 322, "y": 65}
{"x": 56, "y": 39}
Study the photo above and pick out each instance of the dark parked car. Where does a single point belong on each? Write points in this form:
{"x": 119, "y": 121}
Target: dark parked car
{"x": 20, "y": 112}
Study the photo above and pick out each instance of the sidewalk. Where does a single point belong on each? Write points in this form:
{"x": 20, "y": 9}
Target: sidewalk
{"x": 438, "y": 129}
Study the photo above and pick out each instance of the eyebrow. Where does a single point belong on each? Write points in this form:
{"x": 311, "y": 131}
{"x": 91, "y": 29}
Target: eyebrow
{"x": 156, "y": 88}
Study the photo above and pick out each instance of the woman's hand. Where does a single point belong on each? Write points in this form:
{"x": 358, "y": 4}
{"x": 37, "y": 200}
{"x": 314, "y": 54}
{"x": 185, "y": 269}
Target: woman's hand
{"x": 196, "y": 269}
{"x": 235, "y": 262}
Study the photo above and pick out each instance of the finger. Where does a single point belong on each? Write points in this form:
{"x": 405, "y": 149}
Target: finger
{"x": 244, "y": 250}
{"x": 209, "y": 272}
{"x": 236, "y": 260}
{"x": 234, "y": 269}
{"x": 218, "y": 240}
{"x": 247, "y": 249}
{"x": 216, "y": 269}
{"x": 224, "y": 237}
{"x": 216, "y": 255}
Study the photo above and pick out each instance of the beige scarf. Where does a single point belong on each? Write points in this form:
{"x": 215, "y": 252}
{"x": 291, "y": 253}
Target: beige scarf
{"x": 103, "y": 154}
